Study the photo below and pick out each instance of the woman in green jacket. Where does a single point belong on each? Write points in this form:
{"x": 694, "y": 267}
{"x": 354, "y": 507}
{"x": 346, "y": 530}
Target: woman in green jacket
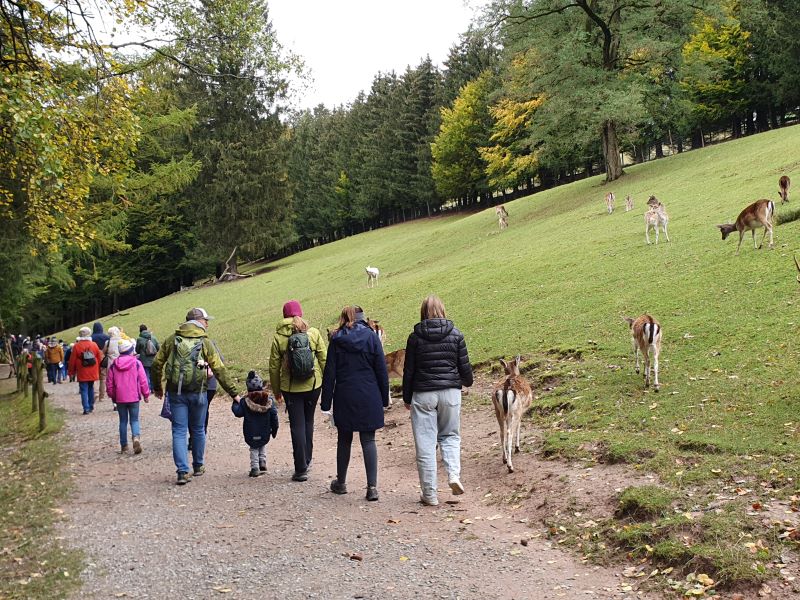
{"x": 296, "y": 363}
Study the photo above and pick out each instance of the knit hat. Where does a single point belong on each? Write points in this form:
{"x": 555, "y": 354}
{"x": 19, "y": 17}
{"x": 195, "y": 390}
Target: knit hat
{"x": 254, "y": 382}
{"x": 292, "y": 309}
{"x": 198, "y": 313}
{"x": 125, "y": 346}
{"x": 84, "y": 332}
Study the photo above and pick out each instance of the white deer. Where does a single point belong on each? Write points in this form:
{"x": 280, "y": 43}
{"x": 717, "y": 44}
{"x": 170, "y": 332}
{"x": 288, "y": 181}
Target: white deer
{"x": 512, "y": 397}
{"x": 610, "y": 197}
{"x": 372, "y": 276}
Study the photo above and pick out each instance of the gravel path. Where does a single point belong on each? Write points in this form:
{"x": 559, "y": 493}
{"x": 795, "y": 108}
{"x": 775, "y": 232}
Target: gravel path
{"x": 228, "y": 535}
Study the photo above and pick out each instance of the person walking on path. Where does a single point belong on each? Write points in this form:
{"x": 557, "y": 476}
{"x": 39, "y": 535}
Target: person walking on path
{"x": 296, "y": 362}
{"x": 101, "y": 339}
{"x": 182, "y": 360}
{"x": 65, "y": 348}
{"x": 357, "y": 383}
{"x": 126, "y": 385}
{"x": 86, "y": 370}
{"x": 260, "y": 416}
{"x": 437, "y": 366}
{"x": 54, "y": 359}
{"x": 146, "y": 348}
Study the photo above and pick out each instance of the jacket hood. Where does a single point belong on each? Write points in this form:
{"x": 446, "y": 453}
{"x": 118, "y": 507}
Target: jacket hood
{"x": 145, "y": 334}
{"x": 190, "y": 330}
{"x": 284, "y": 327}
{"x": 434, "y": 329}
{"x": 255, "y": 406}
{"x": 125, "y": 362}
{"x": 355, "y": 339}
{"x": 97, "y": 327}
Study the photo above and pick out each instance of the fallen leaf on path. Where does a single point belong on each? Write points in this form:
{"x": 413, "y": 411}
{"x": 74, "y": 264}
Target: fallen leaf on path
{"x": 494, "y": 517}
{"x": 356, "y": 557}
{"x": 395, "y": 521}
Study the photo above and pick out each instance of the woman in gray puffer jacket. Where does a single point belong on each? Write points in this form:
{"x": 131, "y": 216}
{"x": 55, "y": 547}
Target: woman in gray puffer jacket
{"x": 436, "y": 367}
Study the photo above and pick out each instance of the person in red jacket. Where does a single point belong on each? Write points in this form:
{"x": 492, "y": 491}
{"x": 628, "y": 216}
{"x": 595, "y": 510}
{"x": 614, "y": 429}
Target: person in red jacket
{"x": 86, "y": 369}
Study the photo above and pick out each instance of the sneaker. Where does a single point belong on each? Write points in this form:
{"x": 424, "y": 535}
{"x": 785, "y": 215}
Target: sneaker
{"x": 372, "y": 493}
{"x": 300, "y": 476}
{"x": 262, "y": 466}
{"x": 429, "y": 501}
{"x": 198, "y": 471}
{"x": 137, "y": 446}
{"x": 86, "y": 412}
{"x": 254, "y": 473}
{"x": 183, "y": 478}
{"x": 338, "y": 488}
{"x": 455, "y": 486}
{"x": 125, "y": 449}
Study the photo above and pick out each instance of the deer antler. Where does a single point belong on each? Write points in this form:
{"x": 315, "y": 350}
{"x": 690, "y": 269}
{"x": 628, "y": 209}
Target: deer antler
{"x": 797, "y": 264}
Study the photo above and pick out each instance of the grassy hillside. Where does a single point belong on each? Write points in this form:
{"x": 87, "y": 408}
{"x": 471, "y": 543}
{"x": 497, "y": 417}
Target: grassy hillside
{"x": 560, "y": 277}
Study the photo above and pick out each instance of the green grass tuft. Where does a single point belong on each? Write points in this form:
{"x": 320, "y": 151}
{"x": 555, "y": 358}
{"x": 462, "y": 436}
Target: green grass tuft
{"x": 644, "y": 502}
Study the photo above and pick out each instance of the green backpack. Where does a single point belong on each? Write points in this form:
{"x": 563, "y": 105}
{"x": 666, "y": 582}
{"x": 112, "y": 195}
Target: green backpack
{"x": 301, "y": 358}
{"x": 186, "y": 369}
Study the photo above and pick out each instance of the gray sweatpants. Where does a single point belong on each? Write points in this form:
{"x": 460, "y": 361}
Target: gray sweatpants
{"x": 436, "y": 418}
{"x": 258, "y": 455}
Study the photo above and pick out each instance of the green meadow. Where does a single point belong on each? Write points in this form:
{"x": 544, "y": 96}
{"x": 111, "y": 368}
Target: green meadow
{"x": 554, "y": 287}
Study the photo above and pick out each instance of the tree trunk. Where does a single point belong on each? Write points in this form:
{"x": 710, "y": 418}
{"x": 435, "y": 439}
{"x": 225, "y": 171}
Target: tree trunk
{"x": 659, "y": 148}
{"x": 611, "y": 151}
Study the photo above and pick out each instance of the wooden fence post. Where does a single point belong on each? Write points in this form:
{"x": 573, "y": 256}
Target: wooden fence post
{"x": 36, "y": 383}
{"x": 22, "y": 372}
{"x": 42, "y": 406}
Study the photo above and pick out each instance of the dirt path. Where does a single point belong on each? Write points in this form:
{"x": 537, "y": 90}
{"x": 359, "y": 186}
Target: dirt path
{"x": 229, "y": 535}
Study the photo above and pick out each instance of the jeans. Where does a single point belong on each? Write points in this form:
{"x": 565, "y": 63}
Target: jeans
{"x": 209, "y": 397}
{"x": 301, "y": 407}
{"x": 87, "y": 395}
{"x": 188, "y": 414}
{"x": 128, "y": 411}
{"x": 436, "y": 417}
{"x": 53, "y": 371}
{"x": 63, "y": 374}
{"x": 368, "y": 449}
{"x": 149, "y": 380}
{"x": 258, "y": 456}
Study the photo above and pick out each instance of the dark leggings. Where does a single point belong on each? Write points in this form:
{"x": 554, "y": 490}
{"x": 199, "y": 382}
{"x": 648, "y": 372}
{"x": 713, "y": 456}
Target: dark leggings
{"x": 368, "y": 448}
{"x": 301, "y": 407}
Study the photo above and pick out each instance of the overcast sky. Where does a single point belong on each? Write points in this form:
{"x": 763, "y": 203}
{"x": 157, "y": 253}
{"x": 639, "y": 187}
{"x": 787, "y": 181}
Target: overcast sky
{"x": 345, "y": 43}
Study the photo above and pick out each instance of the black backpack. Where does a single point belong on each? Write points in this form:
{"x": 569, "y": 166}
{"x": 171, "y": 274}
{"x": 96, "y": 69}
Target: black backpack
{"x": 88, "y": 358}
{"x": 301, "y": 358}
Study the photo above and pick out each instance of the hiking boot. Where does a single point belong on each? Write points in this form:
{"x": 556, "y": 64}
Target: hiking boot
{"x": 300, "y": 476}
{"x": 254, "y": 473}
{"x": 198, "y": 471}
{"x": 455, "y": 486}
{"x": 183, "y": 478}
{"x": 137, "y": 446}
{"x": 125, "y": 449}
{"x": 338, "y": 488}
{"x": 429, "y": 501}
{"x": 262, "y": 466}
{"x": 372, "y": 493}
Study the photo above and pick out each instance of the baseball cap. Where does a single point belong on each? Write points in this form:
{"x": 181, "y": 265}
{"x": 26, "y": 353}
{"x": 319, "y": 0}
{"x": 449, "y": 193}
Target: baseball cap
{"x": 198, "y": 313}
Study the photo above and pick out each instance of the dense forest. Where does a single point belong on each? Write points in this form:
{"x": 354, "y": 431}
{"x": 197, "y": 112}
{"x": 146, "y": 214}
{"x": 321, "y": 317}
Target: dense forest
{"x": 129, "y": 170}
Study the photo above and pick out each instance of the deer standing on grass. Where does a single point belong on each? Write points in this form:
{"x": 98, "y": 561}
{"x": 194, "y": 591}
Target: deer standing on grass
{"x": 502, "y": 216}
{"x": 512, "y": 397}
{"x": 758, "y": 214}
{"x": 655, "y": 218}
{"x": 646, "y": 337}
{"x": 372, "y": 276}
{"x": 783, "y": 188}
{"x": 628, "y": 203}
{"x": 610, "y": 197}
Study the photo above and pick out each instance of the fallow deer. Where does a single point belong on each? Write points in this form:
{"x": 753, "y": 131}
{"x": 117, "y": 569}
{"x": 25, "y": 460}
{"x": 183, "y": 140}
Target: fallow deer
{"x": 502, "y": 216}
{"x": 395, "y": 363}
{"x": 610, "y": 197}
{"x": 372, "y": 276}
{"x": 656, "y": 218}
{"x": 783, "y": 188}
{"x": 758, "y": 214}
{"x": 646, "y": 337}
{"x": 628, "y": 203}
{"x": 512, "y": 397}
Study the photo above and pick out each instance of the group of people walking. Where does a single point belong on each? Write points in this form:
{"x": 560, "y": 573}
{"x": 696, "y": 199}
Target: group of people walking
{"x": 347, "y": 377}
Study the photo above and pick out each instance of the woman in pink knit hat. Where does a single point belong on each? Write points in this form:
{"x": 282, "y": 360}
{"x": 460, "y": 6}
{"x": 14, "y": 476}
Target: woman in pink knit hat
{"x": 296, "y": 363}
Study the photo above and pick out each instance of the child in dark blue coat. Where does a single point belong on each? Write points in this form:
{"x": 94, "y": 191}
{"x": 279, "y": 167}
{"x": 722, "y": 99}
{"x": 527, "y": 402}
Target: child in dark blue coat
{"x": 260, "y": 421}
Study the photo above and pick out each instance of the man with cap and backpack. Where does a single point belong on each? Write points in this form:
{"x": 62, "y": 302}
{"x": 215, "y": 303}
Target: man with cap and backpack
{"x": 183, "y": 362}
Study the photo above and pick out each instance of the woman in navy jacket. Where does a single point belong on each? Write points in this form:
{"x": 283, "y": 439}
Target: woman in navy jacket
{"x": 356, "y": 382}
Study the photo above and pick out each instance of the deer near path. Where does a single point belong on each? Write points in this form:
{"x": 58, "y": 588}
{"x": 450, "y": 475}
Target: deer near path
{"x": 511, "y": 398}
{"x": 758, "y": 214}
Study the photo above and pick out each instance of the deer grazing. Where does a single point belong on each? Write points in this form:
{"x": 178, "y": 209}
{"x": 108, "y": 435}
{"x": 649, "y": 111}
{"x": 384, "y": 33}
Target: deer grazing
{"x": 758, "y": 214}
{"x": 372, "y": 276}
{"x": 783, "y": 188}
{"x": 610, "y": 197}
{"x": 646, "y": 337}
{"x": 512, "y": 397}
{"x": 502, "y": 216}
{"x": 628, "y": 203}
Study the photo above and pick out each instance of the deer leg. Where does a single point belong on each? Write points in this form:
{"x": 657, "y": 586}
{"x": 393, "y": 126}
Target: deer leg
{"x": 656, "y": 351}
{"x": 754, "y": 240}
{"x": 656, "y": 228}
{"x": 646, "y": 360}
{"x": 519, "y": 426}
{"x": 665, "y": 231}
{"x": 647, "y": 232}
{"x": 741, "y": 237}
{"x": 636, "y": 355}
{"x": 509, "y": 442}
{"x": 771, "y": 244}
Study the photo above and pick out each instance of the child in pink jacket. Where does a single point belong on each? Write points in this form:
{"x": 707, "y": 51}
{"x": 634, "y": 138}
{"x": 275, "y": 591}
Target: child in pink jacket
{"x": 126, "y": 384}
